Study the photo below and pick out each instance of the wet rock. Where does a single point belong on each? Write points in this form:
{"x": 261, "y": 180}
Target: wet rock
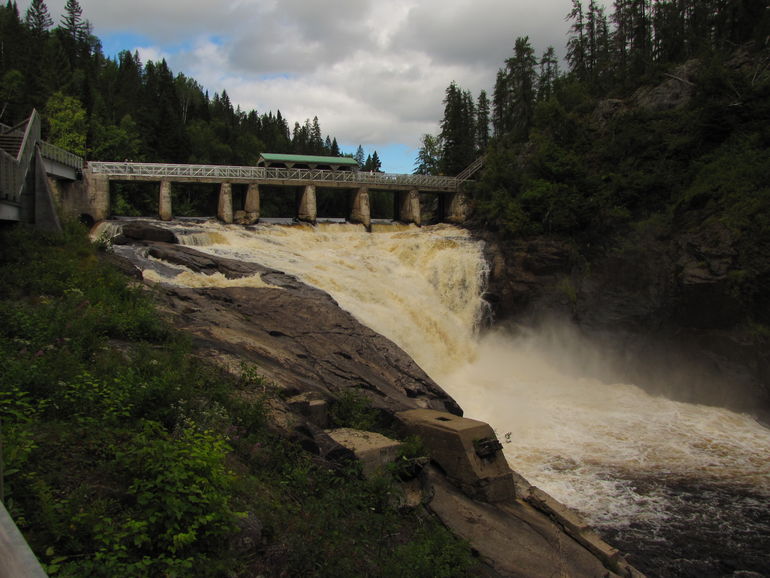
{"x": 143, "y": 231}
{"x": 296, "y": 335}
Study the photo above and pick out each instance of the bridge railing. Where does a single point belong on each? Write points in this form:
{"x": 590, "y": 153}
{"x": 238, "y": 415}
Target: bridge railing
{"x": 59, "y": 155}
{"x": 162, "y": 171}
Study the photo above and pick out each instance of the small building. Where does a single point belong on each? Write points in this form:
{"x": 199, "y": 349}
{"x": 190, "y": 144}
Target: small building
{"x": 287, "y": 161}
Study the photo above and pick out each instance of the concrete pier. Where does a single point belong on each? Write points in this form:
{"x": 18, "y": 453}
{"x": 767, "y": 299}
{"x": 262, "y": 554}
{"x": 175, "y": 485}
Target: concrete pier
{"x": 225, "y": 205}
{"x": 360, "y": 211}
{"x": 97, "y": 195}
{"x": 164, "y": 202}
{"x": 251, "y": 205}
{"x": 307, "y": 210}
{"x": 409, "y": 207}
{"x": 459, "y": 208}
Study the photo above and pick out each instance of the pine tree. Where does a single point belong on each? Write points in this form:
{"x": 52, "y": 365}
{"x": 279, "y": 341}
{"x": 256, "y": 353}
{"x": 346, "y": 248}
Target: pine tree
{"x": 72, "y": 21}
{"x": 376, "y": 163}
{"x": 359, "y": 156}
{"x": 37, "y": 17}
{"x": 428, "y": 156}
{"x": 641, "y": 36}
{"x": 482, "y": 122}
{"x": 577, "y": 45}
{"x": 316, "y": 143}
{"x": 522, "y": 78}
{"x": 549, "y": 72}
{"x": 500, "y": 105}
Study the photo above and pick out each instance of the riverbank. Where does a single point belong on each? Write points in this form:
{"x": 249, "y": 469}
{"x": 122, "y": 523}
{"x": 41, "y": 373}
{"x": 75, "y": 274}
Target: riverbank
{"x": 138, "y": 418}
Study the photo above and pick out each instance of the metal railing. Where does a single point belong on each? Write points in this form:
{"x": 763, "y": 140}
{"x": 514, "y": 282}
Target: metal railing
{"x": 13, "y": 172}
{"x": 471, "y": 169}
{"x": 161, "y": 171}
{"x": 59, "y": 155}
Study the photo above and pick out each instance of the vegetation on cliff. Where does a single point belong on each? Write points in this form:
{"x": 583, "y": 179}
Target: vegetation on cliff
{"x": 658, "y": 129}
{"x": 125, "y": 455}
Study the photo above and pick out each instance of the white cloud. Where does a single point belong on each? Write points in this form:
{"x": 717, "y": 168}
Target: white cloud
{"x": 373, "y": 72}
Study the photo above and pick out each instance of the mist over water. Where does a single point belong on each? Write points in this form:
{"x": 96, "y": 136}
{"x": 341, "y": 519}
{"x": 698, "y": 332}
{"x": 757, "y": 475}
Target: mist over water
{"x": 683, "y": 486}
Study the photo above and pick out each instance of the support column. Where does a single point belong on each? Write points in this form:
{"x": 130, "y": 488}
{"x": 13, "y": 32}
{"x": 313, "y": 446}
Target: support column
{"x": 97, "y": 195}
{"x": 251, "y": 205}
{"x": 225, "y": 206}
{"x": 307, "y": 210}
{"x": 458, "y": 208}
{"x": 361, "y": 211}
{"x": 410, "y": 207}
{"x": 164, "y": 201}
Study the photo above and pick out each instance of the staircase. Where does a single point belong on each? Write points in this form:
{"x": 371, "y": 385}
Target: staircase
{"x": 11, "y": 143}
{"x": 471, "y": 169}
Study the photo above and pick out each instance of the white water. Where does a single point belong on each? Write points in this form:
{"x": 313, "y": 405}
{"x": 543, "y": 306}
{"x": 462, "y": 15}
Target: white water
{"x": 611, "y": 451}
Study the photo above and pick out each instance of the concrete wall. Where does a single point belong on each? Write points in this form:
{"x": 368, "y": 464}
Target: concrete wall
{"x": 16, "y": 558}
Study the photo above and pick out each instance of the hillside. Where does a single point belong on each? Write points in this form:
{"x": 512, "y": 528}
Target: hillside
{"x": 645, "y": 220}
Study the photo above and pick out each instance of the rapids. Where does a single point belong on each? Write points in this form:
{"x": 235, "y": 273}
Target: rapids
{"x": 683, "y": 488}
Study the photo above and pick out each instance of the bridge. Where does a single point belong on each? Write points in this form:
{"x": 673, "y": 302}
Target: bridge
{"x": 406, "y": 188}
{"x": 39, "y": 181}
{"x": 28, "y": 165}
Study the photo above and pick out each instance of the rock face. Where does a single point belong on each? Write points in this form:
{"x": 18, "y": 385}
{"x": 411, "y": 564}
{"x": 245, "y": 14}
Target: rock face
{"x": 663, "y": 304}
{"x": 295, "y": 334}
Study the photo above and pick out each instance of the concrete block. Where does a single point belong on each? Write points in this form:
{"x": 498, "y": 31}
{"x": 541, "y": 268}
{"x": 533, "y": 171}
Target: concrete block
{"x": 310, "y": 406}
{"x": 373, "y": 450}
{"x": 466, "y": 449}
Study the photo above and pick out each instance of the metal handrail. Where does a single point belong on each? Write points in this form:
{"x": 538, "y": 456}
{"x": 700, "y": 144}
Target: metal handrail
{"x": 13, "y": 172}
{"x": 225, "y": 173}
{"x": 60, "y": 155}
{"x": 471, "y": 169}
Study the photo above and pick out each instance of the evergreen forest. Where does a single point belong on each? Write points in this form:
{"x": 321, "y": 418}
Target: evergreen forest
{"x": 659, "y": 122}
{"x": 121, "y": 108}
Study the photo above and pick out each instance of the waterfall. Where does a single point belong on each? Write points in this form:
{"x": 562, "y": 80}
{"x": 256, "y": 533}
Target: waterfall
{"x": 642, "y": 469}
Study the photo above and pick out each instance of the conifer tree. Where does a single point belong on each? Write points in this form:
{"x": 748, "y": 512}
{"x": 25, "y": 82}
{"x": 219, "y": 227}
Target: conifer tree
{"x": 458, "y": 133}
{"x": 482, "y": 122}
{"x": 549, "y": 72}
{"x": 359, "y": 156}
{"x": 316, "y": 143}
{"x": 72, "y": 22}
{"x": 577, "y": 45}
{"x": 37, "y": 17}
{"x": 428, "y": 156}
{"x": 522, "y": 79}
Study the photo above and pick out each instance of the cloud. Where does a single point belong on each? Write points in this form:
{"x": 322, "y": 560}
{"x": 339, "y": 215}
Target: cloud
{"x": 373, "y": 72}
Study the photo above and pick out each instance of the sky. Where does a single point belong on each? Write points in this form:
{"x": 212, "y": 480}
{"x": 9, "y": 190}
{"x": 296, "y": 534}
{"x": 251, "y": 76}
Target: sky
{"x": 374, "y": 72}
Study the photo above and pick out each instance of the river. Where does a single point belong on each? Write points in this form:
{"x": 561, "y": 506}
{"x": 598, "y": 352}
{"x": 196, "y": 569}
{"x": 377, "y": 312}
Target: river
{"x": 682, "y": 488}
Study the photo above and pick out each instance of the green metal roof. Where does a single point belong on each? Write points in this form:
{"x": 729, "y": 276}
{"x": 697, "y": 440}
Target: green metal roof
{"x": 307, "y": 159}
